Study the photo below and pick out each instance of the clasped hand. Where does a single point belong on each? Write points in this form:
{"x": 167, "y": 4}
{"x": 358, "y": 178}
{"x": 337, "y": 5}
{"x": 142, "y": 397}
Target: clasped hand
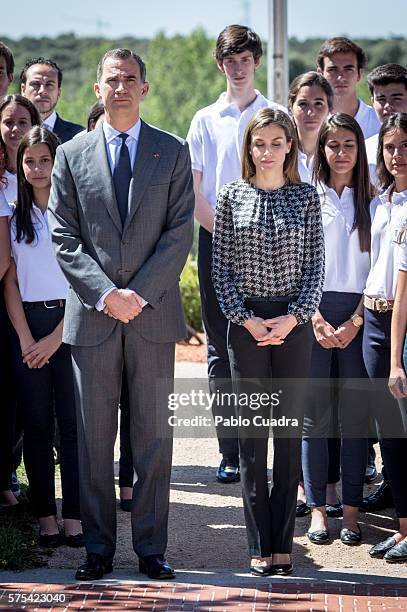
{"x": 329, "y": 337}
{"x": 122, "y": 304}
{"x": 270, "y": 331}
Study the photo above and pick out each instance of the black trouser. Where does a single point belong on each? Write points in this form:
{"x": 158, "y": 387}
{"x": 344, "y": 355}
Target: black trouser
{"x": 216, "y": 326}
{"x": 388, "y": 412}
{"x": 8, "y": 402}
{"x": 270, "y": 515}
{"x": 327, "y": 399}
{"x": 40, "y": 391}
{"x": 126, "y": 470}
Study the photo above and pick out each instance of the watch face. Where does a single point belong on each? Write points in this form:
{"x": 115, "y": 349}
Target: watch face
{"x": 358, "y": 320}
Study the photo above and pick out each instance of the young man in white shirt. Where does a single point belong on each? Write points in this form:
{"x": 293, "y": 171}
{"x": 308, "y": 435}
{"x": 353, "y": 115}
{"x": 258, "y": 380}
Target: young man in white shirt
{"x": 388, "y": 88}
{"x": 215, "y": 138}
{"x": 341, "y": 62}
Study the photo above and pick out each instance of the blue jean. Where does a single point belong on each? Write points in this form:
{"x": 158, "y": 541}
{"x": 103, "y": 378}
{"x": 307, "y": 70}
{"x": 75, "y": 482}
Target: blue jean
{"x": 322, "y": 404}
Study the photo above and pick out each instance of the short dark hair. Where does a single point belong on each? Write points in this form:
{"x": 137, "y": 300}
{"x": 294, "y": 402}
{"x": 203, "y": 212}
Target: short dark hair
{"x": 386, "y": 74}
{"x": 340, "y": 44}
{"x": 95, "y": 112}
{"x": 40, "y": 60}
{"x": 8, "y": 56}
{"x": 236, "y": 39}
{"x": 122, "y": 54}
{"x": 391, "y": 123}
{"x": 310, "y": 79}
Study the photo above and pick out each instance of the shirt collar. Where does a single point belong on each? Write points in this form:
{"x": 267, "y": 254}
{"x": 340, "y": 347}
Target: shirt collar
{"x": 111, "y": 133}
{"x": 224, "y": 107}
{"x": 49, "y": 122}
{"x": 398, "y": 197}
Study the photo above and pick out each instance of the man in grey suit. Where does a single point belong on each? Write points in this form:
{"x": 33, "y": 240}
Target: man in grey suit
{"x": 122, "y": 219}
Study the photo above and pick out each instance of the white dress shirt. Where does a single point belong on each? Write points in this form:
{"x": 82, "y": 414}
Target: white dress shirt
{"x": 346, "y": 266}
{"x": 305, "y": 167}
{"x": 5, "y": 208}
{"x": 371, "y": 145}
{"x": 215, "y": 139}
{"x": 38, "y": 273}
{"x": 49, "y": 122}
{"x": 387, "y": 219}
{"x": 10, "y": 190}
{"x": 113, "y": 144}
{"x": 367, "y": 119}
{"x": 403, "y": 254}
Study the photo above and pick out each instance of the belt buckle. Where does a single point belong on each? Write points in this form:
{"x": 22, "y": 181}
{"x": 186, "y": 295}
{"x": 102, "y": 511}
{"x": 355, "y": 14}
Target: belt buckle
{"x": 49, "y": 307}
{"x": 382, "y": 304}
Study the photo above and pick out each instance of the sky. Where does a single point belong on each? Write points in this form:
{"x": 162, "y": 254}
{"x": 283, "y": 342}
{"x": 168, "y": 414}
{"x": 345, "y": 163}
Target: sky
{"x": 144, "y": 18}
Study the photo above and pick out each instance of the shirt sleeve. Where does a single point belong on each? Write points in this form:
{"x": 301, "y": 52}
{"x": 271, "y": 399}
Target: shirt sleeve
{"x": 5, "y": 208}
{"x": 403, "y": 253}
{"x": 224, "y": 275}
{"x": 313, "y": 268}
{"x": 195, "y": 142}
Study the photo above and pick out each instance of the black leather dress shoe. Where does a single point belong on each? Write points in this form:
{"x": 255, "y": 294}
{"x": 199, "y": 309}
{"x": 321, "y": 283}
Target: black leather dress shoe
{"x": 94, "y": 568}
{"x": 125, "y": 505}
{"x": 228, "y": 471}
{"x": 380, "y": 499}
{"x": 350, "y": 537}
{"x": 260, "y": 570}
{"x": 75, "y": 541}
{"x": 302, "y": 510}
{"x": 281, "y": 569}
{"x": 379, "y": 550}
{"x": 156, "y": 567}
{"x": 50, "y": 541}
{"x": 318, "y": 537}
{"x": 397, "y": 554}
{"x": 334, "y": 510}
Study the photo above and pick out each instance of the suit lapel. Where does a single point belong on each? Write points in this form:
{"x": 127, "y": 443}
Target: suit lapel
{"x": 97, "y": 163}
{"x": 147, "y": 159}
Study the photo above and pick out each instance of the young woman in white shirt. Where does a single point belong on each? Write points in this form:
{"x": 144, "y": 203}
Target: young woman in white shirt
{"x": 389, "y": 217}
{"x": 35, "y": 292}
{"x": 17, "y": 116}
{"x": 310, "y": 101}
{"x": 342, "y": 177}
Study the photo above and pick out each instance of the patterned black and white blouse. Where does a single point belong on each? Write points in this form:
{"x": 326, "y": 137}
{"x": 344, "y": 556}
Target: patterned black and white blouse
{"x": 267, "y": 244}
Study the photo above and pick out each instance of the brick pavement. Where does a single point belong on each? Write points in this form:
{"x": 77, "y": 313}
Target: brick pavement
{"x": 185, "y": 597}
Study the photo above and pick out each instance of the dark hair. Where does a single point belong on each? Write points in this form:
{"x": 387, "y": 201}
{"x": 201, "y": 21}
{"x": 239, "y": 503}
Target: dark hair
{"x": 261, "y": 119}
{"x": 122, "y": 54}
{"x": 340, "y": 44}
{"x": 95, "y": 112}
{"x": 25, "y": 193}
{"x": 363, "y": 189}
{"x": 310, "y": 79}
{"x": 43, "y": 61}
{"x": 236, "y": 39}
{"x": 396, "y": 121}
{"x": 35, "y": 120}
{"x": 386, "y": 74}
{"x": 8, "y": 56}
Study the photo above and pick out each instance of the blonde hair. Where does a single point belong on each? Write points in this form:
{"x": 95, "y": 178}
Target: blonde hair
{"x": 261, "y": 119}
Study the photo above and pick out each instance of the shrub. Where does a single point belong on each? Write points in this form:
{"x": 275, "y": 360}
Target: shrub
{"x": 190, "y": 294}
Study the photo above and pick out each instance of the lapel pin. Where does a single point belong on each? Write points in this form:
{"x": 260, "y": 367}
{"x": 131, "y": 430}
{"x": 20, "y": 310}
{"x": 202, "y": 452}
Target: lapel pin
{"x": 156, "y": 155}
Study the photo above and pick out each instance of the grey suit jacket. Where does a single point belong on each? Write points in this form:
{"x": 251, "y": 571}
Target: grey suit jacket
{"x": 147, "y": 255}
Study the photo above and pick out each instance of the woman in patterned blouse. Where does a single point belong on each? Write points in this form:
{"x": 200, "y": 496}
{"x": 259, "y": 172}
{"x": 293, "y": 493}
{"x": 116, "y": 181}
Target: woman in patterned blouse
{"x": 268, "y": 271}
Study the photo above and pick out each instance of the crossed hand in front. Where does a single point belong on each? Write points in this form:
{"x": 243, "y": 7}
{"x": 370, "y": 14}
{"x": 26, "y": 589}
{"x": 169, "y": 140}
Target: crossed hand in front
{"x": 270, "y": 331}
{"x": 123, "y": 305}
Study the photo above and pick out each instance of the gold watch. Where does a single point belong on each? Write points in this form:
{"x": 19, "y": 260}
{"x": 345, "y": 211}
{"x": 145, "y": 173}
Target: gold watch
{"x": 357, "y": 320}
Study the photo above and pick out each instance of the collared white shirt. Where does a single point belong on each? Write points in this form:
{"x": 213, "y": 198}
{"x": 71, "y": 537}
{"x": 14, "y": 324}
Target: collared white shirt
{"x": 371, "y": 145}
{"x": 113, "y": 143}
{"x": 38, "y": 273}
{"x": 305, "y": 167}
{"x": 49, "y": 122}
{"x": 387, "y": 219}
{"x": 215, "y": 139}
{"x": 10, "y": 190}
{"x": 367, "y": 119}
{"x": 346, "y": 266}
{"x": 403, "y": 254}
{"x": 5, "y": 208}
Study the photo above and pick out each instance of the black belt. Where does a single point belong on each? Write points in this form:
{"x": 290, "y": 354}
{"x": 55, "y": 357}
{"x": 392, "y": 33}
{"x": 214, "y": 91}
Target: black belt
{"x": 272, "y": 298}
{"x": 46, "y": 304}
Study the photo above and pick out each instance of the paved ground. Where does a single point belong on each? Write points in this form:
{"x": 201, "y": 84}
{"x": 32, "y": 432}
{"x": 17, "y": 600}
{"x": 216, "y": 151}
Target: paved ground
{"x": 207, "y": 546}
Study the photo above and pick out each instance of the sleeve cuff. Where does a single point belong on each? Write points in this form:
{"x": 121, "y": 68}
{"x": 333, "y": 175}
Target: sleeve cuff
{"x": 100, "y": 304}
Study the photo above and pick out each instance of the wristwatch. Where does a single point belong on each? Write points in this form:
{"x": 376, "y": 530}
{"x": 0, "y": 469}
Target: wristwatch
{"x": 357, "y": 320}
